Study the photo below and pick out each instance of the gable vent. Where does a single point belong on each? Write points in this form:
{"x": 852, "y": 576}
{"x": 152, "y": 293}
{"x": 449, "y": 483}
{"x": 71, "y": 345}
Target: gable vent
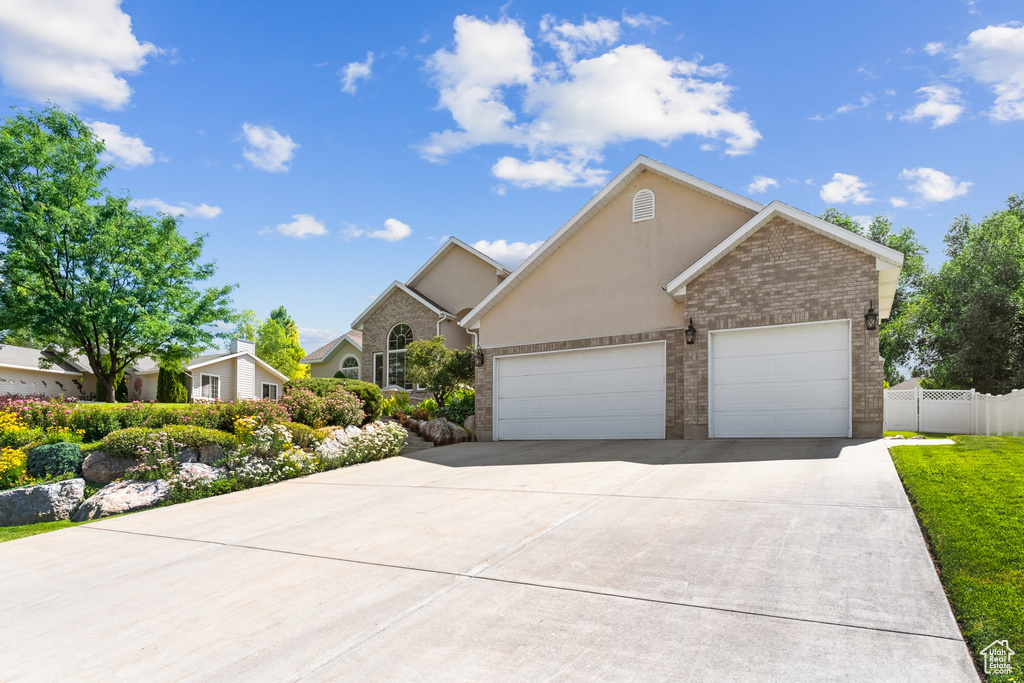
{"x": 643, "y": 206}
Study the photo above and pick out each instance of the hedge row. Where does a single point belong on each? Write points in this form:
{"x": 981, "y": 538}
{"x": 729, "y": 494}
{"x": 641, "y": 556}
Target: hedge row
{"x": 99, "y": 420}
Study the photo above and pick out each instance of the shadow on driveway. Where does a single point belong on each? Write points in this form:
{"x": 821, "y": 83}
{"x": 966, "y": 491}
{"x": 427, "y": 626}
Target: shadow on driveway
{"x": 649, "y": 452}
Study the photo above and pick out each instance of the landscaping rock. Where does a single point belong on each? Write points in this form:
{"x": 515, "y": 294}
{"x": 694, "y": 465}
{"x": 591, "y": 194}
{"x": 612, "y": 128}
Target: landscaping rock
{"x": 43, "y": 503}
{"x": 188, "y": 455}
{"x": 351, "y": 431}
{"x": 441, "y": 432}
{"x": 210, "y": 453}
{"x": 469, "y": 424}
{"x": 103, "y": 469}
{"x": 197, "y": 470}
{"x": 122, "y": 496}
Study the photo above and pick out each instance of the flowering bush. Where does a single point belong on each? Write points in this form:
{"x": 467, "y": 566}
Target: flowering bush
{"x": 12, "y": 468}
{"x": 15, "y": 433}
{"x": 376, "y": 442}
{"x": 159, "y": 453}
{"x": 337, "y": 408}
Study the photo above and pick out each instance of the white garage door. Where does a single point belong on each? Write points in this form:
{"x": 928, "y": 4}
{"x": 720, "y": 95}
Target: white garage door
{"x": 611, "y": 392}
{"x": 790, "y": 380}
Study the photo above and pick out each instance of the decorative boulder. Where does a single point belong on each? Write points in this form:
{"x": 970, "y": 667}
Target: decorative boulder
{"x": 188, "y": 455}
{"x": 197, "y": 470}
{"x": 210, "y": 453}
{"x": 123, "y": 496}
{"x": 102, "y": 468}
{"x": 469, "y": 424}
{"x": 351, "y": 431}
{"x": 441, "y": 432}
{"x": 43, "y": 503}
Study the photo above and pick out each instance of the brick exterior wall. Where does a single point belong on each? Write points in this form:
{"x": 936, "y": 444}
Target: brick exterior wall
{"x": 782, "y": 274}
{"x": 398, "y": 308}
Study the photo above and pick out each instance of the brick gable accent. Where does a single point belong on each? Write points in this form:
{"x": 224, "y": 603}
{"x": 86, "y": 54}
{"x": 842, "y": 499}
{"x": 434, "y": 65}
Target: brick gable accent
{"x": 398, "y": 308}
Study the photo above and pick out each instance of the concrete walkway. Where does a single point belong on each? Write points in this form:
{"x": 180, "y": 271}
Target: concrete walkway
{"x": 794, "y": 560}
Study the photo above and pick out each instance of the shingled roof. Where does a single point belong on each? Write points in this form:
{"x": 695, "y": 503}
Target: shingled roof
{"x": 354, "y": 336}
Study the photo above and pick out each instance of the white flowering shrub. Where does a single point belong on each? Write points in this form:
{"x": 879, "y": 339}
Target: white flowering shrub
{"x": 375, "y": 442}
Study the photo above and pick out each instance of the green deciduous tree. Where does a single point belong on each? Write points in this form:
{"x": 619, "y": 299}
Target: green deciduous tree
{"x": 277, "y": 340}
{"x": 441, "y": 370}
{"x": 898, "y": 335}
{"x": 972, "y": 309}
{"x": 83, "y": 272}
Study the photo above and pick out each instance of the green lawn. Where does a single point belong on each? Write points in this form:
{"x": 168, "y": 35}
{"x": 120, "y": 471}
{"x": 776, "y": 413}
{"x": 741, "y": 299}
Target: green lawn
{"x": 10, "y": 533}
{"x": 969, "y": 499}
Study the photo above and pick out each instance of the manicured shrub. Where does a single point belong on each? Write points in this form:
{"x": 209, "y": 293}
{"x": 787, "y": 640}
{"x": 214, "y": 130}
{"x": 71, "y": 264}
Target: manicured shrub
{"x": 54, "y": 459}
{"x": 131, "y": 443}
{"x": 304, "y": 407}
{"x": 337, "y": 408}
{"x": 367, "y": 392}
{"x": 343, "y": 408}
{"x": 12, "y": 468}
{"x": 197, "y": 437}
{"x": 304, "y": 436}
{"x": 171, "y": 387}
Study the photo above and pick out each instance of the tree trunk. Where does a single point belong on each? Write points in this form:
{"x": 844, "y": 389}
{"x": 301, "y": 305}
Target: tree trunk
{"x": 108, "y": 384}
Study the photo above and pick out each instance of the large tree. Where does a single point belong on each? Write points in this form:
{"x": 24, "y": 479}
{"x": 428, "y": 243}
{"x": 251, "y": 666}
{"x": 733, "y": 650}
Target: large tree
{"x": 277, "y": 340}
{"x": 83, "y": 272}
{"x": 972, "y": 309}
{"x": 897, "y": 335}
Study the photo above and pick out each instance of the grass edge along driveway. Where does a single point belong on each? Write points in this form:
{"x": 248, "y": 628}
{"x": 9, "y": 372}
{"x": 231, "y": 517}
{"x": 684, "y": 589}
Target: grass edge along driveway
{"x": 969, "y": 499}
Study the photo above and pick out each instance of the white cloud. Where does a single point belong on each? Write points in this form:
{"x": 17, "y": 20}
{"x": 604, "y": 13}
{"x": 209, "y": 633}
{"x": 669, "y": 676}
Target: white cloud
{"x": 302, "y": 226}
{"x": 760, "y": 184}
{"x": 898, "y": 202}
{"x": 355, "y": 72}
{"x": 394, "y": 230}
{"x": 934, "y": 186}
{"x": 934, "y": 48}
{"x": 570, "y": 39}
{"x": 510, "y": 254}
{"x": 181, "y": 209}
{"x": 845, "y": 188}
{"x": 351, "y": 231}
{"x": 126, "y": 150}
{"x": 994, "y": 56}
{"x": 499, "y": 90}
{"x": 651, "y": 22}
{"x": 942, "y": 104}
{"x": 266, "y": 149}
{"x": 548, "y": 173}
{"x": 864, "y": 102}
{"x": 69, "y": 51}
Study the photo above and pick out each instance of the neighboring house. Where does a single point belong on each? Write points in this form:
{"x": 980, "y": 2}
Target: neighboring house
{"x": 912, "y": 383}
{"x": 344, "y": 355}
{"x": 235, "y": 374}
{"x": 21, "y": 372}
{"x": 452, "y": 281}
{"x": 227, "y": 376}
{"x": 588, "y": 337}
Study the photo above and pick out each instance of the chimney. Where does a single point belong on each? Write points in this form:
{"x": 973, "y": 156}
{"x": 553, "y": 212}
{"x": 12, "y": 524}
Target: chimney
{"x": 243, "y": 345}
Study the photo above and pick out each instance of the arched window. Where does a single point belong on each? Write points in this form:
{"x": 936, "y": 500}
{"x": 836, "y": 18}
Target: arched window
{"x": 349, "y": 367}
{"x": 643, "y": 206}
{"x": 398, "y": 339}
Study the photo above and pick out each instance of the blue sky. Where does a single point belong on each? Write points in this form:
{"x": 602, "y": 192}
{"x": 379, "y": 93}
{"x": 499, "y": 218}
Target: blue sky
{"x": 327, "y": 148}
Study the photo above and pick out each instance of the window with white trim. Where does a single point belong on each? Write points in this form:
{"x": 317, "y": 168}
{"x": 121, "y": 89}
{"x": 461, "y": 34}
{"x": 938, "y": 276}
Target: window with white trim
{"x": 209, "y": 386}
{"x": 643, "y": 206}
{"x": 270, "y": 391}
{"x": 378, "y": 369}
{"x": 349, "y": 367}
{"x": 398, "y": 339}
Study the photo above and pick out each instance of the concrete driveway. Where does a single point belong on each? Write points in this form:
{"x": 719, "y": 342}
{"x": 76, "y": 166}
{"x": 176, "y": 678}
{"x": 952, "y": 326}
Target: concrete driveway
{"x": 789, "y": 560}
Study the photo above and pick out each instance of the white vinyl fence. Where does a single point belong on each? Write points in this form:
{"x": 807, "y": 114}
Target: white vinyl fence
{"x": 954, "y": 411}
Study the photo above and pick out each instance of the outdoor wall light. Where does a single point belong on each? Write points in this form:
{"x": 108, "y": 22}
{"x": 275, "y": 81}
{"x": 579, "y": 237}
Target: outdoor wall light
{"x": 691, "y": 333}
{"x": 871, "y": 318}
{"x": 479, "y": 356}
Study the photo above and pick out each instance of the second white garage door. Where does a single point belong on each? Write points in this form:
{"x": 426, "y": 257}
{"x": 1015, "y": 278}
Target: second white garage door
{"x": 609, "y": 392}
{"x": 789, "y": 380}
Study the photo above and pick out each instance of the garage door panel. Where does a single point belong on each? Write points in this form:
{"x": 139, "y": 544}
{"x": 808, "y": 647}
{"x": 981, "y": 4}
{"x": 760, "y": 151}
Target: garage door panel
{"x": 601, "y": 393}
{"x": 781, "y": 381}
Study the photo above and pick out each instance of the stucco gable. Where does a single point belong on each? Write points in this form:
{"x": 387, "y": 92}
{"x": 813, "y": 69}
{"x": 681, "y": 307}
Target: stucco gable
{"x": 607, "y": 194}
